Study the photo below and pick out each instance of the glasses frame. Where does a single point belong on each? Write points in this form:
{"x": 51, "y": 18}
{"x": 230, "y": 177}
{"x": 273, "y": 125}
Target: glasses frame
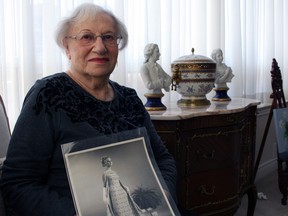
{"x": 102, "y": 36}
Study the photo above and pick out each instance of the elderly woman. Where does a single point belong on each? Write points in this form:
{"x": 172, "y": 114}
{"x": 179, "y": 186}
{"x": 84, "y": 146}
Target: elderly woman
{"x": 74, "y": 105}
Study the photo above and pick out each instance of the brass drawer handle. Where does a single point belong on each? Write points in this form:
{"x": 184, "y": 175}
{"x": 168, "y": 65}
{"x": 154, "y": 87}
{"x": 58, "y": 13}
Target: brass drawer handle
{"x": 207, "y": 191}
{"x": 206, "y": 155}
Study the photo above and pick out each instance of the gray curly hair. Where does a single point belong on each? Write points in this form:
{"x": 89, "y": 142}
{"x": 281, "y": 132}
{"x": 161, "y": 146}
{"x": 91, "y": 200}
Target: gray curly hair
{"x": 84, "y": 12}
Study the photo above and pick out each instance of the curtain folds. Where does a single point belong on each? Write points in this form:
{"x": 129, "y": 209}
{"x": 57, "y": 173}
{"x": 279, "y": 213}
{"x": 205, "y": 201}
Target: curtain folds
{"x": 250, "y": 33}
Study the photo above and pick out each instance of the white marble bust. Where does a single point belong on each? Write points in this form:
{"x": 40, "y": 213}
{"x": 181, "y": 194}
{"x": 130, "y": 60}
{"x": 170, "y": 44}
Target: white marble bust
{"x": 223, "y": 72}
{"x": 153, "y": 75}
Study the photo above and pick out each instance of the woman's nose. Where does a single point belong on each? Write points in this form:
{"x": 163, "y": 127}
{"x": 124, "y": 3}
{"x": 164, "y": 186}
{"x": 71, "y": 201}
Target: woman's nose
{"x": 99, "y": 46}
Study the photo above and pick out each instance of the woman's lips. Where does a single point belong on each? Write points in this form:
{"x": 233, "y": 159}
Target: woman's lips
{"x": 99, "y": 60}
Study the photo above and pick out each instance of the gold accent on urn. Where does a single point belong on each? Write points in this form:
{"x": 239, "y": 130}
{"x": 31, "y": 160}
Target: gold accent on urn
{"x": 193, "y": 77}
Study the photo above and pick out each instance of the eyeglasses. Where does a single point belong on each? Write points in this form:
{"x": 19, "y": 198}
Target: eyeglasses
{"x": 86, "y": 39}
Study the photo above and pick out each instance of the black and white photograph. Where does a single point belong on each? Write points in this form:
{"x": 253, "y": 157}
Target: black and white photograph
{"x": 115, "y": 179}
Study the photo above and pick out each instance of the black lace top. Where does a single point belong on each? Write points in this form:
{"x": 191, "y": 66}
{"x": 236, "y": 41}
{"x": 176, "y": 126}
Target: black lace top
{"x": 61, "y": 94}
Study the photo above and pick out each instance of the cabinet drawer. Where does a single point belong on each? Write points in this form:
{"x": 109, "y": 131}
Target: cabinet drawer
{"x": 213, "y": 149}
{"x": 203, "y": 122}
{"x": 215, "y": 121}
{"x": 212, "y": 190}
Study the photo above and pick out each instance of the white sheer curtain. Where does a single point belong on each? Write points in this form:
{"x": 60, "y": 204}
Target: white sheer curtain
{"x": 250, "y": 33}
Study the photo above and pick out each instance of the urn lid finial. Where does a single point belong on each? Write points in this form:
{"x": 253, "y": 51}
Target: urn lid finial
{"x": 193, "y": 58}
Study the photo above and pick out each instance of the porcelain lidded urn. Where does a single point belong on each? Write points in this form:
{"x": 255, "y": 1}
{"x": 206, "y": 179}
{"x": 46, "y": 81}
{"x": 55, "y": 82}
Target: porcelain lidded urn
{"x": 193, "y": 77}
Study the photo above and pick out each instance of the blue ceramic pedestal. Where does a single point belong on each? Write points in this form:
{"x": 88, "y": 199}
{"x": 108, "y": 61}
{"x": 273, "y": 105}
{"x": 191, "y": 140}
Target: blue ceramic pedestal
{"x": 221, "y": 94}
{"x": 154, "y": 102}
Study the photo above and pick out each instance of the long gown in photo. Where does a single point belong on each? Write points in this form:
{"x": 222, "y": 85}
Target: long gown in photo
{"x": 120, "y": 202}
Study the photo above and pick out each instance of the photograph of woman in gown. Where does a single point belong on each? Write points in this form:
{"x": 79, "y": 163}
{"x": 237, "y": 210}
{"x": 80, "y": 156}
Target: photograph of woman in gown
{"x": 117, "y": 196}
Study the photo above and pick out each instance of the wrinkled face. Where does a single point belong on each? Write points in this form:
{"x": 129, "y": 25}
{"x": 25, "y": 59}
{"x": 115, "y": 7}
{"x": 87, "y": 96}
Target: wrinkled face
{"x": 96, "y": 59}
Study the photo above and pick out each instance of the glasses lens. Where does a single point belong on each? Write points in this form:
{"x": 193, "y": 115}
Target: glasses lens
{"x": 110, "y": 39}
{"x": 90, "y": 38}
{"x": 86, "y": 38}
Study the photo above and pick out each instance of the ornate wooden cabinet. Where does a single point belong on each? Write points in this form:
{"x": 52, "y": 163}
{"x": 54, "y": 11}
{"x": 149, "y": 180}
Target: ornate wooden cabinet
{"x": 214, "y": 148}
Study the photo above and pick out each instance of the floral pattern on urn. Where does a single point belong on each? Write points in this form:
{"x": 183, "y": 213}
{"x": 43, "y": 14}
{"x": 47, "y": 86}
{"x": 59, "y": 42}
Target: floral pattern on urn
{"x": 193, "y": 77}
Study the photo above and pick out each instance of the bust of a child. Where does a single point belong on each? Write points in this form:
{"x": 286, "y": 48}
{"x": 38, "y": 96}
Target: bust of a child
{"x": 223, "y": 72}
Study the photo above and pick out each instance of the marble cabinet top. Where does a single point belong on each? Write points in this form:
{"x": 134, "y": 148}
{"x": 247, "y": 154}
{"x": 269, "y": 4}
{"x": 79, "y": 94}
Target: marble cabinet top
{"x": 175, "y": 112}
